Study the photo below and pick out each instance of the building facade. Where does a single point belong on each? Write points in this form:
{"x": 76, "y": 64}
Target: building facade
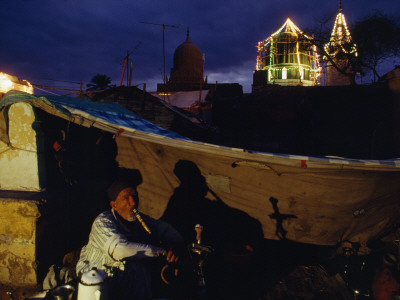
{"x": 187, "y": 71}
{"x": 287, "y": 58}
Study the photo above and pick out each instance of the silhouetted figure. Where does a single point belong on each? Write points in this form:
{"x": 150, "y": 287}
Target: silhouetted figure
{"x": 188, "y": 205}
{"x": 280, "y": 232}
{"x": 232, "y": 233}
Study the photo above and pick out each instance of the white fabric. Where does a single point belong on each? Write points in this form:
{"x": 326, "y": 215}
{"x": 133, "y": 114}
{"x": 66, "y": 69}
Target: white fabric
{"x": 119, "y": 248}
{"x": 183, "y": 99}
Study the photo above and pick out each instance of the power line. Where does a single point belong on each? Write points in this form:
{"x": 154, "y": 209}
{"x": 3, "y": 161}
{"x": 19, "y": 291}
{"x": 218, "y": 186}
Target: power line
{"x": 53, "y": 88}
{"x": 57, "y": 80}
{"x": 43, "y": 90}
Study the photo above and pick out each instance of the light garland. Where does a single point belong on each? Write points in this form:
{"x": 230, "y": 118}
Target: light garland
{"x": 340, "y": 36}
{"x": 268, "y": 51}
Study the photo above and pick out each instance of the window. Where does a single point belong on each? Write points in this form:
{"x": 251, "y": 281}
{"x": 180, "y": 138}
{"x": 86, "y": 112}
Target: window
{"x": 284, "y": 73}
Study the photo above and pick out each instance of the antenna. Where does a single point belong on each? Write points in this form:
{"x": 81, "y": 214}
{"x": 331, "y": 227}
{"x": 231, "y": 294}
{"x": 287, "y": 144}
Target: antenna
{"x": 126, "y": 58}
{"x": 163, "y": 42}
{"x": 340, "y": 5}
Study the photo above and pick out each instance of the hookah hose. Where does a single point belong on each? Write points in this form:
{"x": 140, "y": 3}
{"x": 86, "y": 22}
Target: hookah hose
{"x": 147, "y": 229}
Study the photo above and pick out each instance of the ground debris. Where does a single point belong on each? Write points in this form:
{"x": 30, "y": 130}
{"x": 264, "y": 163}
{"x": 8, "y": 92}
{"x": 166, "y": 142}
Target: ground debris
{"x": 309, "y": 282}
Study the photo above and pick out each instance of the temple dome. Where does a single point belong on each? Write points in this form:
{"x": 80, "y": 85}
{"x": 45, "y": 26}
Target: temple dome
{"x": 188, "y": 64}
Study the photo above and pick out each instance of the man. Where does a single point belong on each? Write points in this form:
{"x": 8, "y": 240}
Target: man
{"x": 121, "y": 244}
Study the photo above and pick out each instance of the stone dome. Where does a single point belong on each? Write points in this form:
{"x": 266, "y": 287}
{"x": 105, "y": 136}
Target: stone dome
{"x": 188, "y": 64}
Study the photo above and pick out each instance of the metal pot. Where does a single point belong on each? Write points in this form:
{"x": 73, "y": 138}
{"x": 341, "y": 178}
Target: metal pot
{"x": 91, "y": 285}
{"x": 63, "y": 292}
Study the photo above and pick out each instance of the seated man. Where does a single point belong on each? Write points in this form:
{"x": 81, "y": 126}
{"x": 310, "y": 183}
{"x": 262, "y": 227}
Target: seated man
{"x": 121, "y": 243}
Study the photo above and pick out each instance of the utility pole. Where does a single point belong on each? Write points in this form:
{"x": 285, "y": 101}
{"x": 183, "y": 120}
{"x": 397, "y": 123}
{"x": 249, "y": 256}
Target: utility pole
{"x": 130, "y": 74}
{"x": 126, "y": 59}
{"x": 163, "y": 42}
{"x": 202, "y": 76}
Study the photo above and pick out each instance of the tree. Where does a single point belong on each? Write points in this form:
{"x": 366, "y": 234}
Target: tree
{"x": 378, "y": 41}
{"x": 99, "y": 82}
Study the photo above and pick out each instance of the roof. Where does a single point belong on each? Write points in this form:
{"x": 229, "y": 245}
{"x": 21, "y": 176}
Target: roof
{"x": 118, "y": 120}
{"x": 108, "y": 116}
{"x": 340, "y": 40}
{"x": 287, "y": 27}
{"x": 187, "y": 53}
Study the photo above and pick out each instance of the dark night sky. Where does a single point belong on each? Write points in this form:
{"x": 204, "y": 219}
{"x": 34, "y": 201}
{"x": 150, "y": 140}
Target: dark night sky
{"x": 70, "y": 40}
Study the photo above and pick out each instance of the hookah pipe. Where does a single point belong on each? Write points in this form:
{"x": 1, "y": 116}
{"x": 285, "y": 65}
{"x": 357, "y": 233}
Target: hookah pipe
{"x": 140, "y": 219}
{"x": 144, "y": 225}
{"x": 163, "y": 253}
{"x": 202, "y": 252}
{"x": 199, "y": 229}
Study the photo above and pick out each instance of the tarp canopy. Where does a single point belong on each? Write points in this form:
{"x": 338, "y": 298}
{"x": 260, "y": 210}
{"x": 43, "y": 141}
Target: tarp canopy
{"x": 81, "y": 111}
{"x": 317, "y": 200}
{"x": 114, "y": 118}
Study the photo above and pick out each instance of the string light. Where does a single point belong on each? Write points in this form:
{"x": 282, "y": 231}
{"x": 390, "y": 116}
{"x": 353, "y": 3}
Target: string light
{"x": 296, "y": 59}
{"x": 340, "y": 38}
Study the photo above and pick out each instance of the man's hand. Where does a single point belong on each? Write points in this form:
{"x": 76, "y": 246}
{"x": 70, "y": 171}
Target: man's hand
{"x": 171, "y": 257}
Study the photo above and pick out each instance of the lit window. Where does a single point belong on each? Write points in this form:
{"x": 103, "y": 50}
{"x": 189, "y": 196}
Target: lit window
{"x": 301, "y": 73}
{"x": 284, "y": 73}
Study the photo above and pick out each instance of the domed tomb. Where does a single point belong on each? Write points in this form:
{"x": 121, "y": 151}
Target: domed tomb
{"x": 188, "y": 64}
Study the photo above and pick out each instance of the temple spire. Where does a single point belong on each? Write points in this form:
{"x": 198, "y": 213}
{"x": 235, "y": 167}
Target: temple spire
{"x": 187, "y": 34}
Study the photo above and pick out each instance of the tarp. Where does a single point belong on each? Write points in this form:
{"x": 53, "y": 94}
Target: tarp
{"x": 87, "y": 112}
{"x": 112, "y": 117}
{"x": 308, "y": 199}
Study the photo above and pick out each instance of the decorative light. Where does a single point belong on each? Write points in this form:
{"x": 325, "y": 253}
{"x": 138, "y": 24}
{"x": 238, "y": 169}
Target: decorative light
{"x": 268, "y": 54}
{"x": 8, "y": 83}
{"x": 340, "y": 36}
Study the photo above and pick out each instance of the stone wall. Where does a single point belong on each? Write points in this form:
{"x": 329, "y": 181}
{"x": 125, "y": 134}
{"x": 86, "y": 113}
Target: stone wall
{"x": 19, "y": 158}
{"x": 18, "y": 241}
{"x": 20, "y": 174}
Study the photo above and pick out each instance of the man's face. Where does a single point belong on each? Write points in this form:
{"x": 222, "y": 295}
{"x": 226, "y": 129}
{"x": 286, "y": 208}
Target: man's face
{"x": 126, "y": 200}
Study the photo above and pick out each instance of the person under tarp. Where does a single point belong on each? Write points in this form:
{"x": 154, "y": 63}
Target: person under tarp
{"x": 123, "y": 243}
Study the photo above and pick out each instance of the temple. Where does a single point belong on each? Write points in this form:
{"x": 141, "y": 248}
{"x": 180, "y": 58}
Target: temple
{"x": 187, "y": 87}
{"x": 340, "y": 49}
{"x": 187, "y": 71}
{"x": 286, "y": 58}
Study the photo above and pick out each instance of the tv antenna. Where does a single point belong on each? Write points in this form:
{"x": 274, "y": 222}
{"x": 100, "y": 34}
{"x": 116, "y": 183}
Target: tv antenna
{"x": 163, "y": 42}
{"x": 126, "y": 59}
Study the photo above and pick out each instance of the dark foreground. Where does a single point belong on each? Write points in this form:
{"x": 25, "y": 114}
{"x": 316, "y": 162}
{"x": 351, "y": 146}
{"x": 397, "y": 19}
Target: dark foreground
{"x": 281, "y": 270}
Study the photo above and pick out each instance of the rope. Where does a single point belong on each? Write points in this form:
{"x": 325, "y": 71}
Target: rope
{"x": 46, "y": 91}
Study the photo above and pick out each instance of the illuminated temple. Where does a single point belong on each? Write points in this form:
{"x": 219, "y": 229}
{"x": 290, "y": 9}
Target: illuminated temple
{"x": 340, "y": 49}
{"x": 287, "y": 58}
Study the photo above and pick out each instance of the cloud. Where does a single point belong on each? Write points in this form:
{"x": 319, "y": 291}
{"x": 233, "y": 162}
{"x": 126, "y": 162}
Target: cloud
{"x": 242, "y": 74}
{"x": 77, "y": 39}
